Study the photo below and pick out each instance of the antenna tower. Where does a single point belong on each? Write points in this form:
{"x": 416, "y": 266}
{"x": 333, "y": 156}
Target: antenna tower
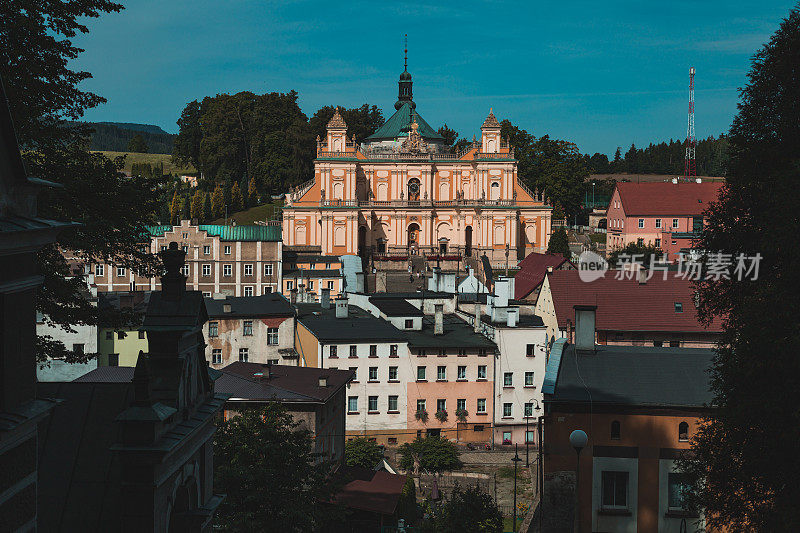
{"x": 690, "y": 168}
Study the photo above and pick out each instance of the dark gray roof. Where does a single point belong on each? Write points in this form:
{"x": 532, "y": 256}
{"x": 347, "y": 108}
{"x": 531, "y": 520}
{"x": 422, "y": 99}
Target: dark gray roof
{"x": 457, "y": 334}
{"x": 523, "y": 321}
{"x": 395, "y": 307}
{"x": 79, "y": 476}
{"x": 107, "y": 374}
{"x": 186, "y": 313}
{"x": 635, "y": 375}
{"x": 359, "y": 326}
{"x": 133, "y": 305}
{"x": 292, "y": 384}
{"x": 314, "y": 273}
{"x": 415, "y": 295}
{"x": 272, "y": 304}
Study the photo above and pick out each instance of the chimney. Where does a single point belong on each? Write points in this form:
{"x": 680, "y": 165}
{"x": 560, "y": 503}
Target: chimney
{"x": 173, "y": 282}
{"x": 293, "y": 296}
{"x": 641, "y": 276}
{"x": 226, "y": 308}
{"x": 438, "y": 322}
{"x": 341, "y": 308}
{"x": 477, "y": 315}
{"x": 511, "y": 317}
{"x": 323, "y": 381}
{"x": 325, "y": 298}
{"x": 549, "y": 269}
{"x": 501, "y": 292}
{"x": 585, "y": 327}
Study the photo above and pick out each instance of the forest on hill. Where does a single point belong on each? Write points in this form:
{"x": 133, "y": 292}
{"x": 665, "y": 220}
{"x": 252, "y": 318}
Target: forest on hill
{"x": 117, "y": 137}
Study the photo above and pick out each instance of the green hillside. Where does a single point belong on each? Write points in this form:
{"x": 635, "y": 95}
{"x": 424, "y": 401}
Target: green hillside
{"x": 153, "y": 159}
{"x": 249, "y": 216}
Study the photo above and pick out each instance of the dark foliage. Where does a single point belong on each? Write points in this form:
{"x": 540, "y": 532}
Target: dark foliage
{"x": 467, "y": 510}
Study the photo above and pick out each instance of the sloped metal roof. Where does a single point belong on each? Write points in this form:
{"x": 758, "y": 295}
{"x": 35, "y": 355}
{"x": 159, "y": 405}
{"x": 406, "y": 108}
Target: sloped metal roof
{"x": 245, "y": 233}
{"x": 399, "y": 125}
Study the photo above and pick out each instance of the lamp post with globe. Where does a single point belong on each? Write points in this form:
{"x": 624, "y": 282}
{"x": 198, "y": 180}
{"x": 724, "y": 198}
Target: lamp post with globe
{"x": 578, "y": 440}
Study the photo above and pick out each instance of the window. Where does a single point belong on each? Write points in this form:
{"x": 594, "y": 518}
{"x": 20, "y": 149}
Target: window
{"x": 248, "y": 328}
{"x": 109, "y": 335}
{"x": 658, "y": 344}
{"x": 353, "y": 351}
{"x": 420, "y": 405}
{"x": 78, "y": 348}
{"x": 462, "y": 372}
{"x": 216, "y": 356}
{"x": 141, "y": 335}
{"x": 529, "y": 436}
{"x": 481, "y": 371}
{"x": 675, "y": 223}
{"x": 530, "y": 350}
{"x": 248, "y": 290}
{"x": 674, "y": 344}
{"x": 185, "y": 248}
{"x": 243, "y": 354}
{"x": 99, "y": 271}
{"x": 227, "y": 250}
{"x": 120, "y": 272}
{"x": 614, "y": 490}
{"x": 461, "y": 404}
{"x": 272, "y": 361}
{"x": 330, "y": 285}
{"x": 213, "y": 329}
{"x": 677, "y": 488}
{"x": 372, "y": 404}
{"x": 373, "y": 350}
{"x": 355, "y": 373}
{"x": 121, "y": 335}
{"x": 640, "y": 242}
{"x": 615, "y": 430}
{"x": 393, "y": 404}
{"x": 268, "y": 269}
{"x": 393, "y": 350}
{"x": 482, "y": 352}
{"x": 506, "y": 437}
{"x": 658, "y": 243}
{"x": 441, "y": 373}
{"x": 678, "y": 307}
{"x": 392, "y": 440}
{"x": 529, "y": 379}
{"x": 373, "y": 373}
{"x": 481, "y": 407}
{"x": 185, "y": 270}
{"x": 506, "y": 410}
{"x": 442, "y": 352}
{"x": 441, "y": 405}
{"x": 658, "y": 223}
{"x": 528, "y": 409}
{"x": 420, "y": 373}
{"x": 352, "y": 404}
{"x": 248, "y": 270}
{"x": 409, "y": 323}
{"x": 206, "y": 250}
{"x": 227, "y": 270}
{"x": 392, "y": 373}
{"x": 289, "y": 285}
{"x": 477, "y": 428}
{"x": 421, "y": 352}
{"x": 113, "y": 359}
{"x": 206, "y": 270}
{"x": 462, "y": 352}
{"x": 272, "y": 336}
{"x": 327, "y": 266}
{"x": 332, "y": 352}
{"x": 641, "y": 222}
{"x": 267, "y": 289}
{"x": 508, "y": 379}
{"x": 683, "y": 432}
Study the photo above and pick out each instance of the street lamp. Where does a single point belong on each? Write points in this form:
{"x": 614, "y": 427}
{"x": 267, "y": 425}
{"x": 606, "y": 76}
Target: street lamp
{"x": 506, "y": 259}
{"x": 578, "y": 439}
{"x": 527, "y": 417}
{"x": 515, "y": 460}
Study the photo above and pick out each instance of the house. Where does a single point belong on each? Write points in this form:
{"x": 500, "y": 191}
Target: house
{"x": 309, "y": 273}
{"x": 256, "y": 329}
{"x": 667, "y": 215}
{"x": 371, "y": 496}
{"x": 314, "y": 397}
{"x": 640, "y": 407}
{"x": 231, "y": 260}
{"x": 119, "y": 342}
{"x": 632, "y": 310}
{"x": 115, "y": 427}
{"x": 528, "y": 279}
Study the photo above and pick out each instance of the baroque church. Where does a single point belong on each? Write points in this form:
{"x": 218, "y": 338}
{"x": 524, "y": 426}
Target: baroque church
{"x": 403, "y": 192}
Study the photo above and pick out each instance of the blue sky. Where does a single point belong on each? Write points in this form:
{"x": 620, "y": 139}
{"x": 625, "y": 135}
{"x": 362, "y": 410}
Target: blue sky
{"x": 600, "y": 74}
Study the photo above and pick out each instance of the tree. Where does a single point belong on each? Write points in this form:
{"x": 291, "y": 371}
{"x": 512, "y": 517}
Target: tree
{"x": 644, "y": 254}
{"x": 218, "y": 201}
{"x": 450, "y": 136}
{"x": 744, "y": 466}
{"x": 190, "y": 134}
{"x": 186, "y": 207}
{"x": 267, "y": 468}
{"x": 431, "y": 454}
{"x": 237, "y": 200}
{"x": 361, "y": 121}
{"x": 175, "y": 208}
{"x": 362, "y": 452}
{"x": 198, "y": 201}
{"x": 137, "y": 144}
{"x": 252, "y": 193}
{"x": 407, "y": 507}
{"x": 559, "y": 243}
{"x": 206, "y": 207}
{"x": 467, "y": 510}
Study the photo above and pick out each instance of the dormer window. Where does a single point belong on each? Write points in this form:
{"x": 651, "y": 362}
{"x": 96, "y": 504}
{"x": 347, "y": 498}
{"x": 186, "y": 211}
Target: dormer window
{"x": 678, "y": 307}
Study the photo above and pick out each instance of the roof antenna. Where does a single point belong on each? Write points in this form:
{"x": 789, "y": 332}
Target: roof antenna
{"x": 405, "y": 53}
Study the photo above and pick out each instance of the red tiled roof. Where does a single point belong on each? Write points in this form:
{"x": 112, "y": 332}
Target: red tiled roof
{"x": 627, "y": 305}
{"x": 370, "y": 490}
{"x": 667, "y": 198}
{"x": 532, "y": 270}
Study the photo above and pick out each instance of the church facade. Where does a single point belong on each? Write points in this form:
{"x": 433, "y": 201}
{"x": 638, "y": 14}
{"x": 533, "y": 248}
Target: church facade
{"x": 404, "y": 192}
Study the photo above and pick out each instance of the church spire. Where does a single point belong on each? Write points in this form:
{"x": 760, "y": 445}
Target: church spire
{"x": 404, "y": 93}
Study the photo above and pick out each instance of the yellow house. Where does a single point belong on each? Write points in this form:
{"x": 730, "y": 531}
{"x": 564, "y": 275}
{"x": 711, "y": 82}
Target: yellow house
{"x": 119, "y": 344}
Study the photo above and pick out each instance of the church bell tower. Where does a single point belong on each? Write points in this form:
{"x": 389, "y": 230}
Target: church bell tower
{"x": 404, "y": 93}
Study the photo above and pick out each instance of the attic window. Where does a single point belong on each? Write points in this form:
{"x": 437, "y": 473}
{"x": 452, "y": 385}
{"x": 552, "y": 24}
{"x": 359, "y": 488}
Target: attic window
{"x": 678, "y": 307}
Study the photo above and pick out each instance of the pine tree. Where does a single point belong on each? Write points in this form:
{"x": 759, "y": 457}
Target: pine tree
{"x": 559, "y": 243}
{"x": 252, "y": 193}
{"x": 175, "y": 208}
{"x": 237, "y": 201}
{"x": 218, "y": 202}
{"x": 198, "y": 200}
{"x": 137, "y": 144}
{"x": 206, "y": 215}
{"x": 186, "y": 207}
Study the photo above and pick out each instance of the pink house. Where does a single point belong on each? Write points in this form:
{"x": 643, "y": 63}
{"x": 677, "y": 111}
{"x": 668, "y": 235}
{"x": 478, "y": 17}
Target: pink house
{"x": 666, "y": 214}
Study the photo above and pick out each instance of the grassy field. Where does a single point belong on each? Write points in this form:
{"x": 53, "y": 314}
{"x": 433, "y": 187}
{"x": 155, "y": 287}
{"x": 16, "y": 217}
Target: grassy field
{"x": 153, "y": 159}
{"x": 249, "y": 216}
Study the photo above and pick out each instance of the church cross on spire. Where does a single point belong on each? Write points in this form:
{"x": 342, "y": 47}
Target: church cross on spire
{"x": 405, "y": 53}
{"x": 404, "y": 93}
